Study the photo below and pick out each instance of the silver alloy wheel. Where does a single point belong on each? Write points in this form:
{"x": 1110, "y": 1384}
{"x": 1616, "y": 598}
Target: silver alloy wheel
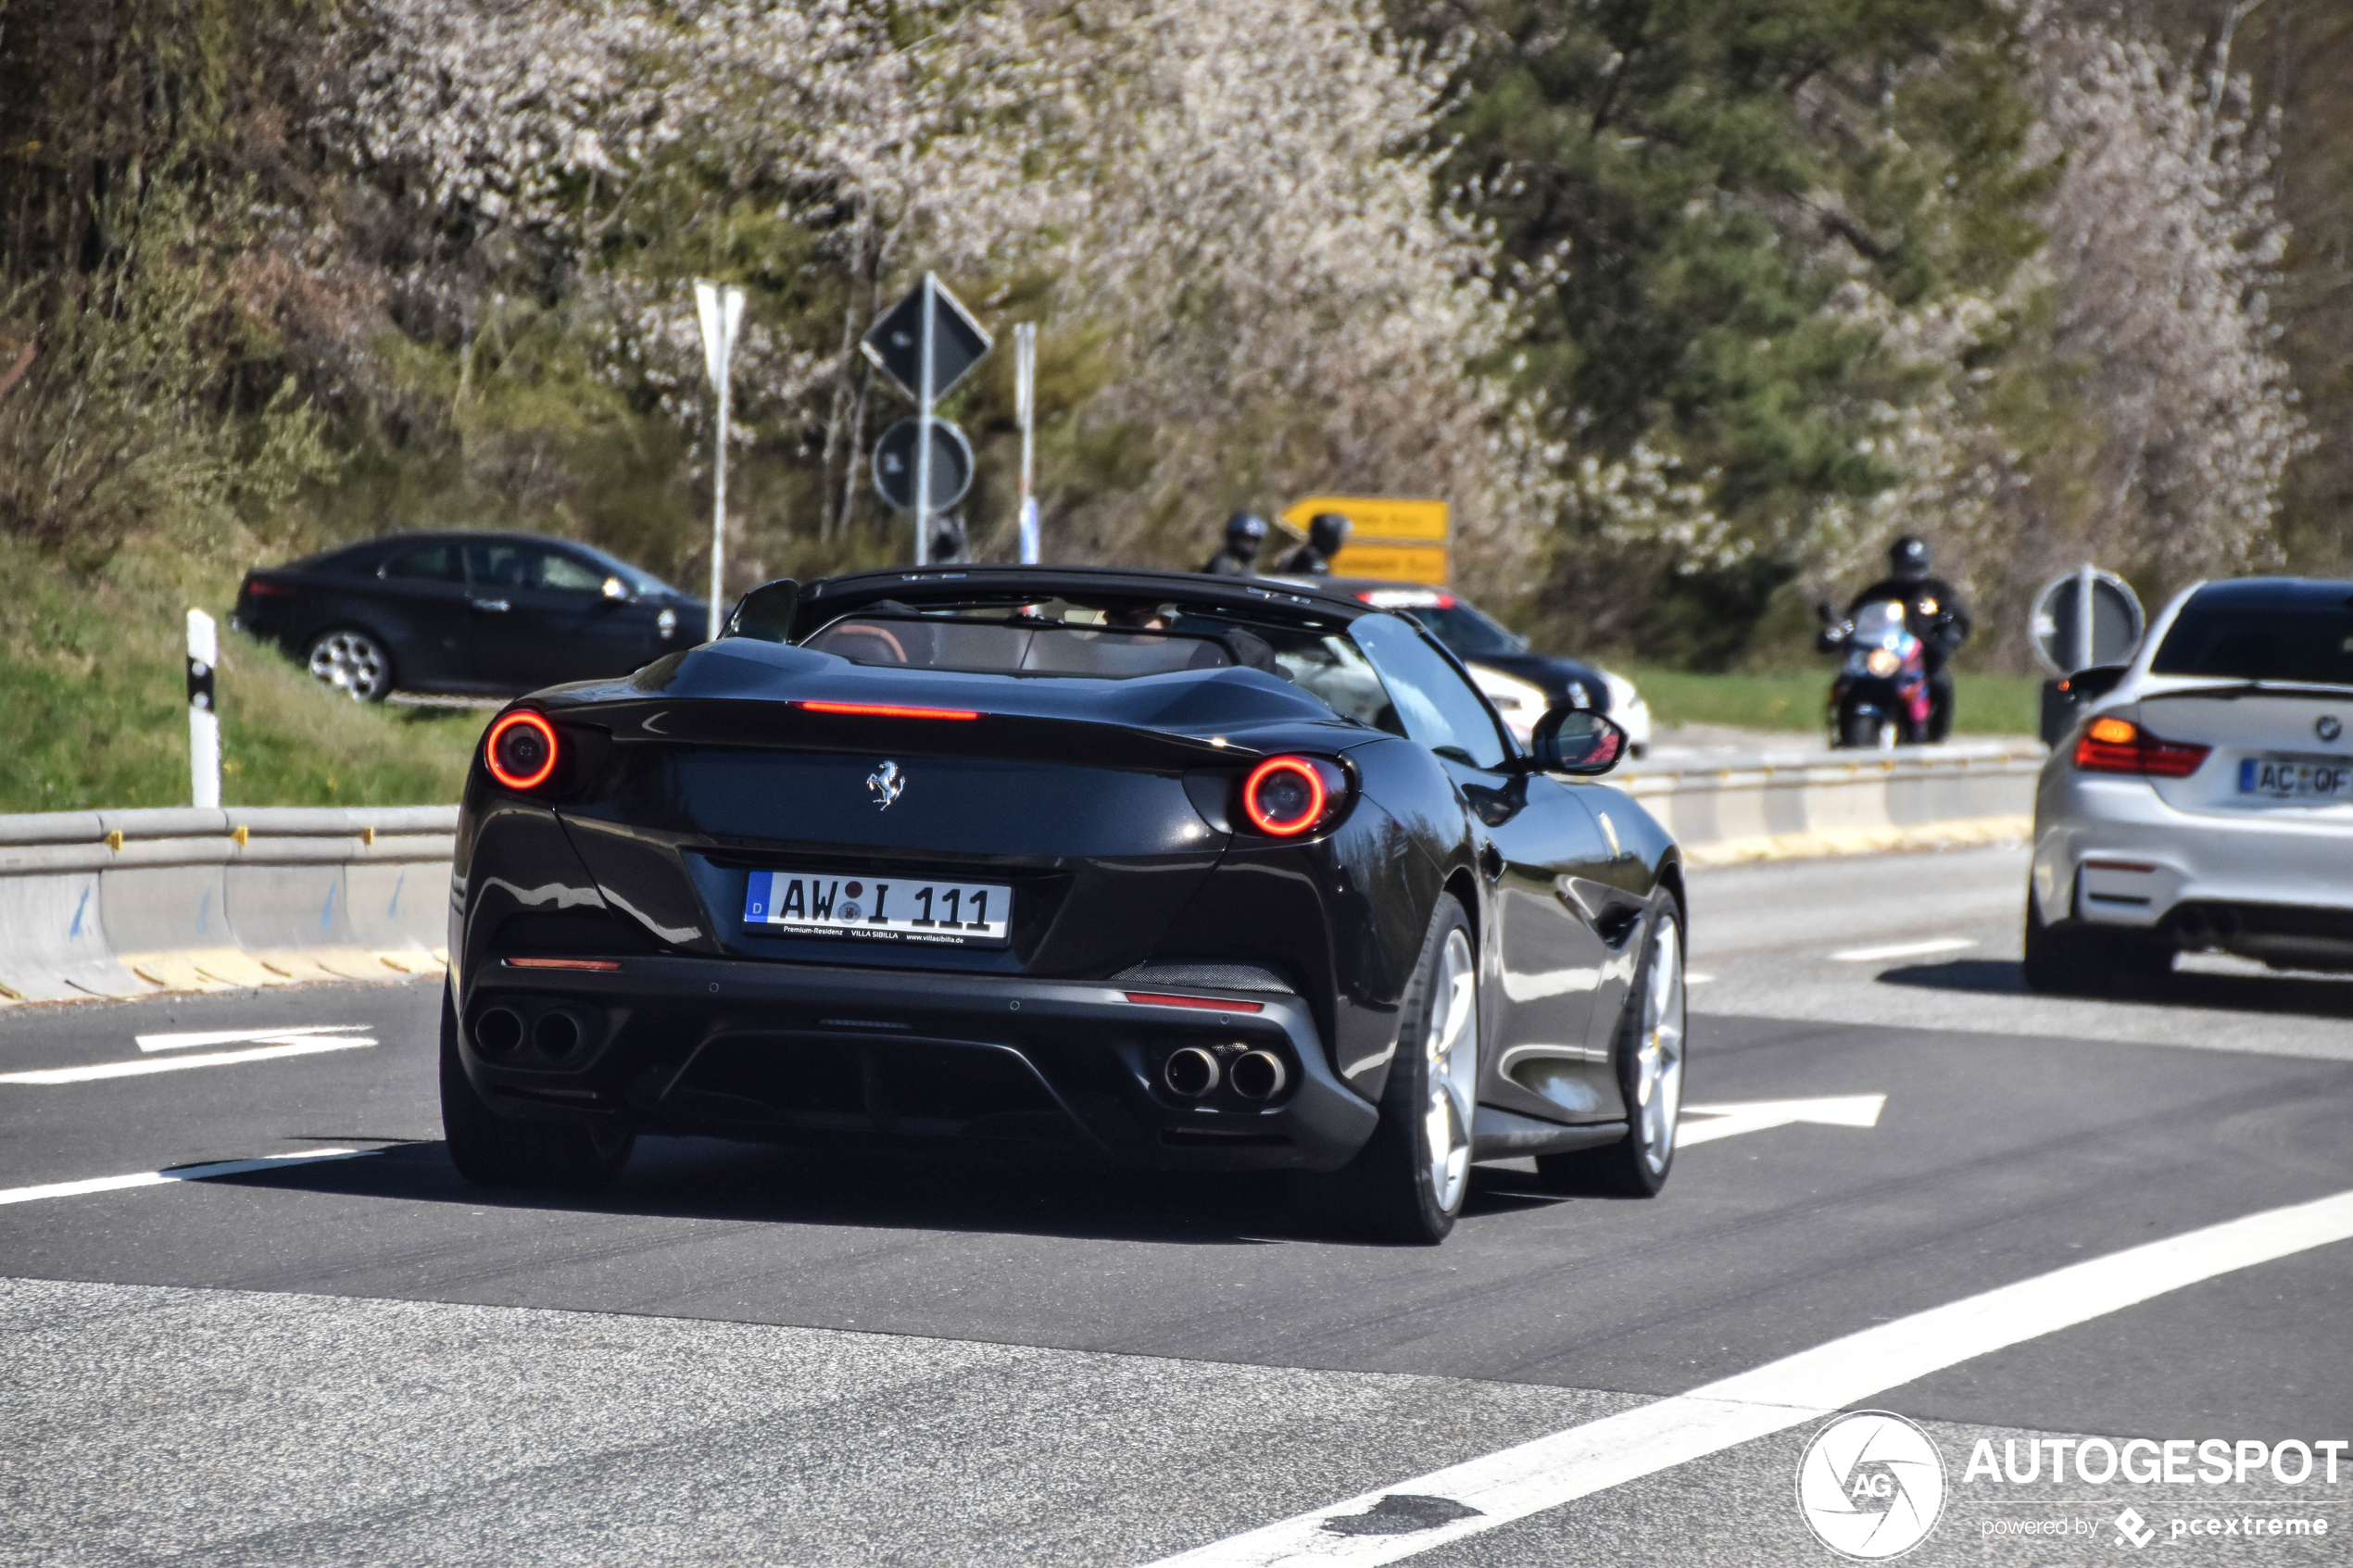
{"x": 1658, "y": 1059}
{"x": 353, "y": 660}
{"x": 1450, "y": 1050}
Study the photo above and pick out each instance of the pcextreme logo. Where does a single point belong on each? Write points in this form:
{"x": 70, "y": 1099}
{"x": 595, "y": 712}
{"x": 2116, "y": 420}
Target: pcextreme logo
{"x": 1871, "y": 1485}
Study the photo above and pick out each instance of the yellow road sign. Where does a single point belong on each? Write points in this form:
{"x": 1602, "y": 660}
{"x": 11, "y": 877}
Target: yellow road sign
{"x": 1391, "y": 519}
{"x": 1392, "y": 563}
{"x": 1394, "y": 538}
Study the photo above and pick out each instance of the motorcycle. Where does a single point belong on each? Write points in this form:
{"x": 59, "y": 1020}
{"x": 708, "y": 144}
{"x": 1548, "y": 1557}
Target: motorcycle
{"x": 1880, "y": 698}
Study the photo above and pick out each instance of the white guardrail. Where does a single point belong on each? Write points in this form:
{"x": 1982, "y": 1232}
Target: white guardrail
{"x": 134, "y": 903}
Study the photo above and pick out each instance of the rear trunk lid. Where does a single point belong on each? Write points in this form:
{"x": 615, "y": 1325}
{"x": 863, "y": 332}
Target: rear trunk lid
{"x": 2276, "y": 749}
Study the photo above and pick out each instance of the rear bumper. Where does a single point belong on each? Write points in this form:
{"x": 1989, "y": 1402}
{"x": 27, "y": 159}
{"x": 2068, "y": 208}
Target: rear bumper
{"x": 799, "y": 1052}
{"x": 2276, "y": 885}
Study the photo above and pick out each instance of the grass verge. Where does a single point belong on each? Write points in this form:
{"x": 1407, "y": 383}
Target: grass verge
{"x": 92, "y": 682}
{"x": 1983, "y": 705}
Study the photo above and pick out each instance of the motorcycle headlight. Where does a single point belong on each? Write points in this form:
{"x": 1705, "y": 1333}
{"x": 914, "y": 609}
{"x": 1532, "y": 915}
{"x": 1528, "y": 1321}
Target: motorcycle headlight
{"x": 1882, "y": 663}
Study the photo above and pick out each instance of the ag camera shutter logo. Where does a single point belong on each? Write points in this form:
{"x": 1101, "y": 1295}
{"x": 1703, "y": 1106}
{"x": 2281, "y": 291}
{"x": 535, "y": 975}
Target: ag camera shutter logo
{"x": 1871, "y": 1485}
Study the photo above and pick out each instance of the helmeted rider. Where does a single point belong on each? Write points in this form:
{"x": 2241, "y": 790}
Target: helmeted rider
{"x": 1327, "y": 532}
{"x": 1932, "y": 613}
{"x": 1245, "y": 532}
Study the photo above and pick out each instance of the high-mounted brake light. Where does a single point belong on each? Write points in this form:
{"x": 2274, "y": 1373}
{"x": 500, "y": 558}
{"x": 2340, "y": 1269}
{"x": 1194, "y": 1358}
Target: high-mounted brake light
{"x": 1211, "y": 1004}
{"x": 887, "y": 710}
{"x": 520, "y": 750}
{"x": 2118, "y": 746}
{"x": 1284, "y": 796}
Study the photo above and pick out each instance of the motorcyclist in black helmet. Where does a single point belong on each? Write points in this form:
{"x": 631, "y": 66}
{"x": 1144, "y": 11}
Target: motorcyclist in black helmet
{"x": 1327, "y": 532}
{"x": 1932, "y": 613}
{"x": 1245, "y": 532}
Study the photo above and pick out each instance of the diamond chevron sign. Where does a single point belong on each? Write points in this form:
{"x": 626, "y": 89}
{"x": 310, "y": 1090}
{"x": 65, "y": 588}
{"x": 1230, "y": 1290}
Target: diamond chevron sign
{"x": 896, "y": 342}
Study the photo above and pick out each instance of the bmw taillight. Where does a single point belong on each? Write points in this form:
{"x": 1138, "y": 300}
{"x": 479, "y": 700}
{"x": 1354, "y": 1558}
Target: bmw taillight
{"x": 1285, "y": 797}
{"x": 520, "y": 750}
{"x": 2118, "y": 746}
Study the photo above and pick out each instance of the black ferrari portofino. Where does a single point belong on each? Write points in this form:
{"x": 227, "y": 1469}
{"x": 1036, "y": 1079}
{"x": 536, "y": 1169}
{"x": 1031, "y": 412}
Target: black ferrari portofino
{"x": 1173, "y": 871}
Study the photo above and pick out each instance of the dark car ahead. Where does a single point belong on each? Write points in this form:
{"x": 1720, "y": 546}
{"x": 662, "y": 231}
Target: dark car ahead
{"x": 1185, "y": 871}
{"x": 1522, "y": 685}
{"x": 489, "y": 613}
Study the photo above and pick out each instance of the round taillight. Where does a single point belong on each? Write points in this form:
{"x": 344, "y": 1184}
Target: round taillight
{"x": 1284, "y": 796}
{"x": 520, "y": 750}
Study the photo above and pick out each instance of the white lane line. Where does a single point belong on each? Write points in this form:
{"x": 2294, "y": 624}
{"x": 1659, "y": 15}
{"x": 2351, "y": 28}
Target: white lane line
{"x": 145, "y": 1065}
{"x": 183, "y": 1174}
{"x": 1756, "y": 1115}
{"x": 189, "y": 1039}
{"x": 1692, "y": 978}
{"x": 1515, "y": 1482}
{"x": 1905, "y": 949}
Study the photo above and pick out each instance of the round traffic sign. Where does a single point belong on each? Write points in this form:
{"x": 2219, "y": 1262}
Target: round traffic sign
{"x": 952, "y": 465}
{"x": 2086, "y": 617}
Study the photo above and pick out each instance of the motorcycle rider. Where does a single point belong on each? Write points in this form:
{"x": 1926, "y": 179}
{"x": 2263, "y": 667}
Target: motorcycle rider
{"x": 1327, "y": 532}
{"x": 1244, "y": 532}
{"x": 1932, "y": 613}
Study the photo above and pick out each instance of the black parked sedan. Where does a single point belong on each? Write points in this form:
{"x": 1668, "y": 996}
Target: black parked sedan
{"x": 494, "y": 613}
{"x": 1173, "y": 871}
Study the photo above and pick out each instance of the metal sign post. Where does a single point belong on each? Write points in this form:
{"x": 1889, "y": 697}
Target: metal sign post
{"x": 926, "y": 342}
{"x": 204, "y": 719}
{"x": 722, "y": 310}
{"x": 1026, "y": 408}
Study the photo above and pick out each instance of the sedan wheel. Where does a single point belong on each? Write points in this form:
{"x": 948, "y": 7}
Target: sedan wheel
{"x": 1409, "y": 1182}
{"x": 354, "y": 661}
{"x": 1650, "y": 1072}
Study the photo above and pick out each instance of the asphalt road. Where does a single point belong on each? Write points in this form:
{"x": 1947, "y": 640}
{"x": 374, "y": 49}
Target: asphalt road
{"x": 743, "y": 1356}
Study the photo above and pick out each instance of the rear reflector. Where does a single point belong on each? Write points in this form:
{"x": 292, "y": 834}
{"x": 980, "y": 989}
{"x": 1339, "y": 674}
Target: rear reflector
{"x": 1211, "y": 1004}
{"x": 885, "y": 710}
{"x": 605, "y": 966}
{"x": 2118, "y": 866}
{"x": 2118, "y": 746}
{"x": 260, "y": 588}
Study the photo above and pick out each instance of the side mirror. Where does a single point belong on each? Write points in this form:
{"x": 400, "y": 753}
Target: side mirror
{"x": 616, "y": 589}
{"x": 1576, "y": 740}
{"x": 765, "y": 614}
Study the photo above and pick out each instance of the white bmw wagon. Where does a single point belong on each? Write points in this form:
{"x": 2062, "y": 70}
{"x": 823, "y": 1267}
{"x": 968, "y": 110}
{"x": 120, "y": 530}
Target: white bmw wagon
{"x": 2203, "y": 800}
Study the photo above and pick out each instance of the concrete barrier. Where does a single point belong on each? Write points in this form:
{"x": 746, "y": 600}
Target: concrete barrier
{"x": 129, "y": 903}
{"x": 1778, "y": 806}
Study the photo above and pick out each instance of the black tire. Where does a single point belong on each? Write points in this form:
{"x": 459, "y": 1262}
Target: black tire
{"x": 1859, "y": 731}
{"x": 492, "y": 1150}
{"x": 2070, "y": 959}
{"x": 1638, "y": 1164}
{"x": 352, "y": 661}
{"x": 1389, "y": 1192}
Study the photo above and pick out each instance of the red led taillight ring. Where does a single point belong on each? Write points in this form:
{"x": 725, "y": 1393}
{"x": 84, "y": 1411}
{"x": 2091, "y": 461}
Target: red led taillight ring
{"x": 499, "y": 731}
{"x": 1317, "y": 796}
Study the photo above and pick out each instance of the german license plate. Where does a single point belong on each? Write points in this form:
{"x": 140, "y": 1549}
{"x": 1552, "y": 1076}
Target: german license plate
{"x": 889, "y": 908}
{"x": 2289, "y": 778}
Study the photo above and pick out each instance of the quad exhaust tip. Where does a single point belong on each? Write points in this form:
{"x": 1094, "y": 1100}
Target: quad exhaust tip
{"x": 1189, "y": 1071}
{"x": 497, "y": 1031}
{"x": 1258, "y": 1076}
{"x": 557, "y": 1034}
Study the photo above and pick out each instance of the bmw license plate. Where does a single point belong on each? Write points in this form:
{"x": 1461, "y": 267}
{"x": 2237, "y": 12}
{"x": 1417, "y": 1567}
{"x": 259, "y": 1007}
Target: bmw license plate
{"x": 2290, "y": 778}
{"x": 961, "y": 914}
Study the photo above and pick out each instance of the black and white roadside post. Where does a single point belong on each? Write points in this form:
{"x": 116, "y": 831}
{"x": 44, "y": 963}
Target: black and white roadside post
{"x": 1025, "y": 407}
{"x": 204, "y": 719}
{"x": 926, "y": 342}
{"x": 722, "y": 310}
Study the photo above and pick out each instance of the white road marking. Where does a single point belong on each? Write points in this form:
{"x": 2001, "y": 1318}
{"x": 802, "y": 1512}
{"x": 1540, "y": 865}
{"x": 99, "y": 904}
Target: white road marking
{"x": 144, "y": 1065}
{"x": 1755, "y": 1116}
{"x": 240, "y": 1037}
{"x": 183, "y": 1174}
{"x": 1691, "y": 978}
{"x": 1515, "y": 1482}
{"x": 1905, "y": 949}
